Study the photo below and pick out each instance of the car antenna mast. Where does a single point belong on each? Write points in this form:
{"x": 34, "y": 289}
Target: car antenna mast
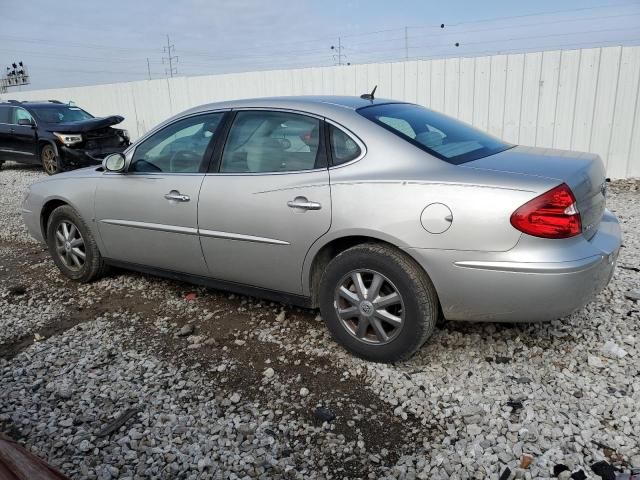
{"x": 369, "y": 96}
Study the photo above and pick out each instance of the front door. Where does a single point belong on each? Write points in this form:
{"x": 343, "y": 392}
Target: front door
{"x": 148, "y": 215}
{"x": 259, "y": 214}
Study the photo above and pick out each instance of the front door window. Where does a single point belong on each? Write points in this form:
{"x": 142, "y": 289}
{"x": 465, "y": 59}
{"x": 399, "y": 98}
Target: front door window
{"x": 179, "y": 147}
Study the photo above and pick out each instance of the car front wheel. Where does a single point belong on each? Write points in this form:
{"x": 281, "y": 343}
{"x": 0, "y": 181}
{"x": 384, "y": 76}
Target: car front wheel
{"x": 72, "y": 246}
{"x": 49, "y": 159}
{"x": 378, "y": 303}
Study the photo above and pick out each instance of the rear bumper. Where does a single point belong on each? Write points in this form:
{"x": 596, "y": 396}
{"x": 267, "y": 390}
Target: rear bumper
{"x": 537, "y": 280}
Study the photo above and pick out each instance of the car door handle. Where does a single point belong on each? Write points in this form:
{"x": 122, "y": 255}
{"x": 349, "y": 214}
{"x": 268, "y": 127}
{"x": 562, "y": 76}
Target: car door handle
{"x": 303, "y": 204}
{"x": 177, "y": 196}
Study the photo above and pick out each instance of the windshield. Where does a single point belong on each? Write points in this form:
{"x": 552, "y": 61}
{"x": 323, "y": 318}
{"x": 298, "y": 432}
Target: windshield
{"x": 60, "y": 114}
{"x": 441, "y": 136}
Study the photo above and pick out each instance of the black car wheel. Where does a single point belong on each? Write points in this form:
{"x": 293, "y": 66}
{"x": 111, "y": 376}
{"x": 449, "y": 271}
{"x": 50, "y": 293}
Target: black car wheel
{"x": 378, "y": 303}
{"x": 73, "y": 247}
{"x": 49, "y": 159}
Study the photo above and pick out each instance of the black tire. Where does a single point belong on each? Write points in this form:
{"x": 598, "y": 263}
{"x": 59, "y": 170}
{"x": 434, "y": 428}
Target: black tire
{"x": 419, "y": 306}
{"x": 92, "y": 266}
{"x": 1, "y": 163}
{"x": 50, "y": 161}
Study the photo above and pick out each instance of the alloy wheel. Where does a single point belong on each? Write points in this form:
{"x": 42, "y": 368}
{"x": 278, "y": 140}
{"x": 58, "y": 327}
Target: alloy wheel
{"x": 70, "y": 245}
{"x": 369, "y": 306}
{"x": 49, "y": 160}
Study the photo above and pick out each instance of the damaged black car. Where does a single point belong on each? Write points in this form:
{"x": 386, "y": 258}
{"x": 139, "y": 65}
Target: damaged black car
{"x": 57, "y": 136}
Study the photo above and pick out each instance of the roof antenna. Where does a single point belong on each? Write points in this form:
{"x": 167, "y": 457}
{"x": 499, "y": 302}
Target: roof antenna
{"x": 369, "y": 96}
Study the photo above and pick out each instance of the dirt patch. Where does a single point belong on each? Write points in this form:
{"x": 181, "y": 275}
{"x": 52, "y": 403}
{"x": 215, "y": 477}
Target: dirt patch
{"x": 231, "y": 327}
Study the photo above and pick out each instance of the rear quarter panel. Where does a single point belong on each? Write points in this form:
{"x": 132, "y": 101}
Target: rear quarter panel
{"x": 383, "y": 195}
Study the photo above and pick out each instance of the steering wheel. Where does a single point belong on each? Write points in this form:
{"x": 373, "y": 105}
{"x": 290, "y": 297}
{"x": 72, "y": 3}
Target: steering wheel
{"x": 183, "y": 156}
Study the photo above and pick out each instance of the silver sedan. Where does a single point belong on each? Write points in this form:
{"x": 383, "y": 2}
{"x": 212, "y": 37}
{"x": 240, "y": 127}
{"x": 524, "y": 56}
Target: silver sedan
{"x": 385, "y": 215}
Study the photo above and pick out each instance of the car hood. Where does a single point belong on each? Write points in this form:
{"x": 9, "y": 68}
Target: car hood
{"x": 85, "y": 125}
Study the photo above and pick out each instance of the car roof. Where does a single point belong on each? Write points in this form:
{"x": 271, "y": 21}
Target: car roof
{"x": 33, "y": 103}
{"x": 312, "y": 103}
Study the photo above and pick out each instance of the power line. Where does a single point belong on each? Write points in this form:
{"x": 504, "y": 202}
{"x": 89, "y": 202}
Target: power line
{"x": 317, "y": 39}
{"x": 502, "y": 40}
{"x": 526, "y": 15}
{"x": 489, "y": 29}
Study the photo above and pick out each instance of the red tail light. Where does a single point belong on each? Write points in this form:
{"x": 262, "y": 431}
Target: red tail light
{"x": 553, "y": 214}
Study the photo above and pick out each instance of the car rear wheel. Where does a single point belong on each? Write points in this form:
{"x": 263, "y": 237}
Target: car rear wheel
{"x": 49, "y": 159}
{"x": 72, "y": 246}
{"x": 378, "y": 303}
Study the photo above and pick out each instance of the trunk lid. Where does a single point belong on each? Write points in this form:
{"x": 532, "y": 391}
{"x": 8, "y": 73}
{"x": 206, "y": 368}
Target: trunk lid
{"x": 85, "y": 125}
{"x": 584, "y": 173}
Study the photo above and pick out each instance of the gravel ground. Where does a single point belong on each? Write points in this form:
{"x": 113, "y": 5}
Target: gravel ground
{"x": 232, "y": 387}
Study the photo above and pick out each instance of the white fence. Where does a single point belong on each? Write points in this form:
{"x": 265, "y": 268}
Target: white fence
{"x": 584, "y": 100}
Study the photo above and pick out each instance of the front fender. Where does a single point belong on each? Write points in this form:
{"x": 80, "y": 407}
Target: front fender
{"x": 78, "y": 193}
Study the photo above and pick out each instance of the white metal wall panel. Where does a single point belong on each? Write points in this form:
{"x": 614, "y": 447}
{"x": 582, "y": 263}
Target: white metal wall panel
{"x": 498, "y": 88}
{"x": 587, "y": 88}
{"x": 362, "y": 83}
{"x": 411, "y": 82}
{"x": 451, "y": 86}
{"x": 465, "y": 96}
{"x": 570, "y": 62}
{"x": 424, "y": 83}
{"x": 622, "y": 135}
{"x": 605, "y": 101}
{"x": 397, "y": 80}
{"x": 633, "y": 160}
{"x": 481, "y": 92}
{"x": 437, "y": 85}
{"x": 513, "y": 98}
{"x": 549, "y": 77}
{"x": 530, "y": 98}
{"x": 585, "y": 100}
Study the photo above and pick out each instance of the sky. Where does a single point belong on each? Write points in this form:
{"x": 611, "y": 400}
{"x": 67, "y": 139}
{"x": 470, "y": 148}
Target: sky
{"x": 82, "y": 42}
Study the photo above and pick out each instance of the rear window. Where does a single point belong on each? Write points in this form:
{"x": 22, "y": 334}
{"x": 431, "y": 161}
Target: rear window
{"x": 443, "y": 137}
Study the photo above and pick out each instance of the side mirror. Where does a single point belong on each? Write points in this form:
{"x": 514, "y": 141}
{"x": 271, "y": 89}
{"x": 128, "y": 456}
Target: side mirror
{"x": 25, "y": 121}
{"x": 114, "y": 163}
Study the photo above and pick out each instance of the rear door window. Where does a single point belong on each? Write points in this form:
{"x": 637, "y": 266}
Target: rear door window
{"x": 270, "y": 141}
{"x": 4, "y": 114}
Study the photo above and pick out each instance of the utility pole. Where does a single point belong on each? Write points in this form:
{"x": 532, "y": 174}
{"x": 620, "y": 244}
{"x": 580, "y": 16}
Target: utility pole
{"x": 170, "y": 58}
{"x": 338, "y": 55}
{"x": 148, "y": 69}
{"x": 406, "y": 43}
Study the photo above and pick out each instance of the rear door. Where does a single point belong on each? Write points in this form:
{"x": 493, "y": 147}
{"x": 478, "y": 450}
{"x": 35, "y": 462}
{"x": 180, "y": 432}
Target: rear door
{"x": 148, "y": 215}
{"x": 268, "y": 201}
{"x": 17, "y": 142}
{"x": 5, "y": 129}
{"x": 23, "y": 137}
